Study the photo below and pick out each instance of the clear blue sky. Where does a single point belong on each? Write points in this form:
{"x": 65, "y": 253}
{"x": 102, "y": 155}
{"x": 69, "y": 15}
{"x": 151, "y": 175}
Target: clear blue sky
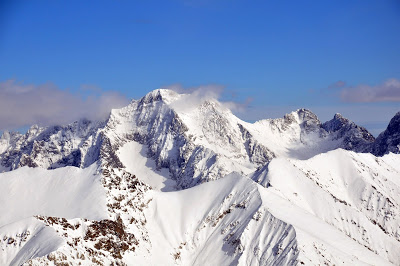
{"x": 281, "y": 53}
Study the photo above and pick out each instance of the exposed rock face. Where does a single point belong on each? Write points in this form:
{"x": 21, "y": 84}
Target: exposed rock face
{"x": 76, "y": 144}
{"x": 308, "y": 120}
{"x": 388, "y": 140}
{"x": 257, "y": 153}
{"x": 354, "y": 137}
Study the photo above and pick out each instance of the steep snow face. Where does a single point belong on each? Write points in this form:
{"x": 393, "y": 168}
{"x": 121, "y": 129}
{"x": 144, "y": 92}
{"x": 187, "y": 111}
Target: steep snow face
{"x": 234, "y": 221}
{"x": 356, "y": 193}
{"x": 26, "y": 239}
{"x": 133, "y": 157}
{"x": 222, "y": 221}
{"x": 319, "y": 243}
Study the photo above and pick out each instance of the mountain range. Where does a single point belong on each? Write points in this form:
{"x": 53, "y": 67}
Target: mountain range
{"x": 174, "y": 179}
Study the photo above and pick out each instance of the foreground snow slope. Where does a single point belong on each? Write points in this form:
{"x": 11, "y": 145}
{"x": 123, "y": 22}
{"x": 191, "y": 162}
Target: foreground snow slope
{"x": 27, "y": 239}
{"x": 66, "y": 192}
{"x": 359, "y": 194}
{"x": 233, "y": 220}
{"x": 217, "y": 223}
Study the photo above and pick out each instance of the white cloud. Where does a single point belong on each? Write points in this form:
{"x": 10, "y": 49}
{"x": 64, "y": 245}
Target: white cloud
{"x": 27, "y": 104}
{"x": 388, "y": 91}
{"x": 195, "y": 96}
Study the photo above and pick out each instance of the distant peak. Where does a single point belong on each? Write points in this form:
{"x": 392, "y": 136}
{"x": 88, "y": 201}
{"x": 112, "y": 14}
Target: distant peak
{"x": 340, "y": 120}
{"x": 5, "y": 135}
{"x": 341, "y": 124}
{"x": 165, "y": 95}
{"x": 33, "y": 129}
{"x": 306, "y": 115}
{"x": 303, "y": 110}
{"x": 336, "y": 123}
{"x": 338, "y": 116}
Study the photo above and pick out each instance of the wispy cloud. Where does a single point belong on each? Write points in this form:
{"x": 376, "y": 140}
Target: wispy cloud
{"x": 195, "y": 96}
{"x": 210, "y": 91}
{"x": 25, "y": 104}
{"x": 388, "y": 91}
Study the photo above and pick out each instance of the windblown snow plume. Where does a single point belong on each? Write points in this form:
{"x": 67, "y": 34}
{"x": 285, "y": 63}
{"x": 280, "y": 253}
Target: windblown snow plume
{"x": 177, "y": 179}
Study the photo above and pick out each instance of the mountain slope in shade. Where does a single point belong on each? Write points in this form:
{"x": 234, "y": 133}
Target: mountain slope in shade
{"x": 353, "y": 137}
{"x": 281, "y": 192}
{"x": 388, "y": 140}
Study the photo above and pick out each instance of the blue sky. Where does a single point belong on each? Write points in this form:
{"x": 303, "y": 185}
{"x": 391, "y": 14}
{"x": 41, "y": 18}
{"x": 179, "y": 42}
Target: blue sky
{"x": 279, "y": 54}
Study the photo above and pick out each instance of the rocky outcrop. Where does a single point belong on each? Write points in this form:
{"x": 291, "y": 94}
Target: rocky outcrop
{"x": 352, "y": 136}
{"x": 52, "y": 147}
{"x": 388, "y": 140}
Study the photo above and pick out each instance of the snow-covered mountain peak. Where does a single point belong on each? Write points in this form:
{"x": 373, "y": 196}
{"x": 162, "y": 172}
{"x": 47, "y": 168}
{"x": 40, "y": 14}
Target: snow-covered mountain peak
{"x": 354, "y": 137}
{"x": 307, "y": 120}
{"x": 304, "y": 115}
{"x": 336, "y": 123}
{"x": 165, "y": 95}
{"x": 301, "y": 118}
{"x": 34, "y": 129}
{"x": 7, "y": 135}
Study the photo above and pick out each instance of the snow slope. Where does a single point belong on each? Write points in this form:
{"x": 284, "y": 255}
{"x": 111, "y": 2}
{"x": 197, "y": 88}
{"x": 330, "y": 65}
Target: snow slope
{"x": 26, "y": 239}
{"x": 133, "y": 156}
{"x": 68, "y": 192}
{"x": 65, "y": 192}
{"x": 233, "y": 220}
{"x": 359, "y": 194}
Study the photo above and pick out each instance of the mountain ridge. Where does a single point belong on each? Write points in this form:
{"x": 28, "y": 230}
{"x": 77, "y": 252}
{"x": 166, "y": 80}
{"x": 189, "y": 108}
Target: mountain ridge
{"x": 15, "y": 146}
